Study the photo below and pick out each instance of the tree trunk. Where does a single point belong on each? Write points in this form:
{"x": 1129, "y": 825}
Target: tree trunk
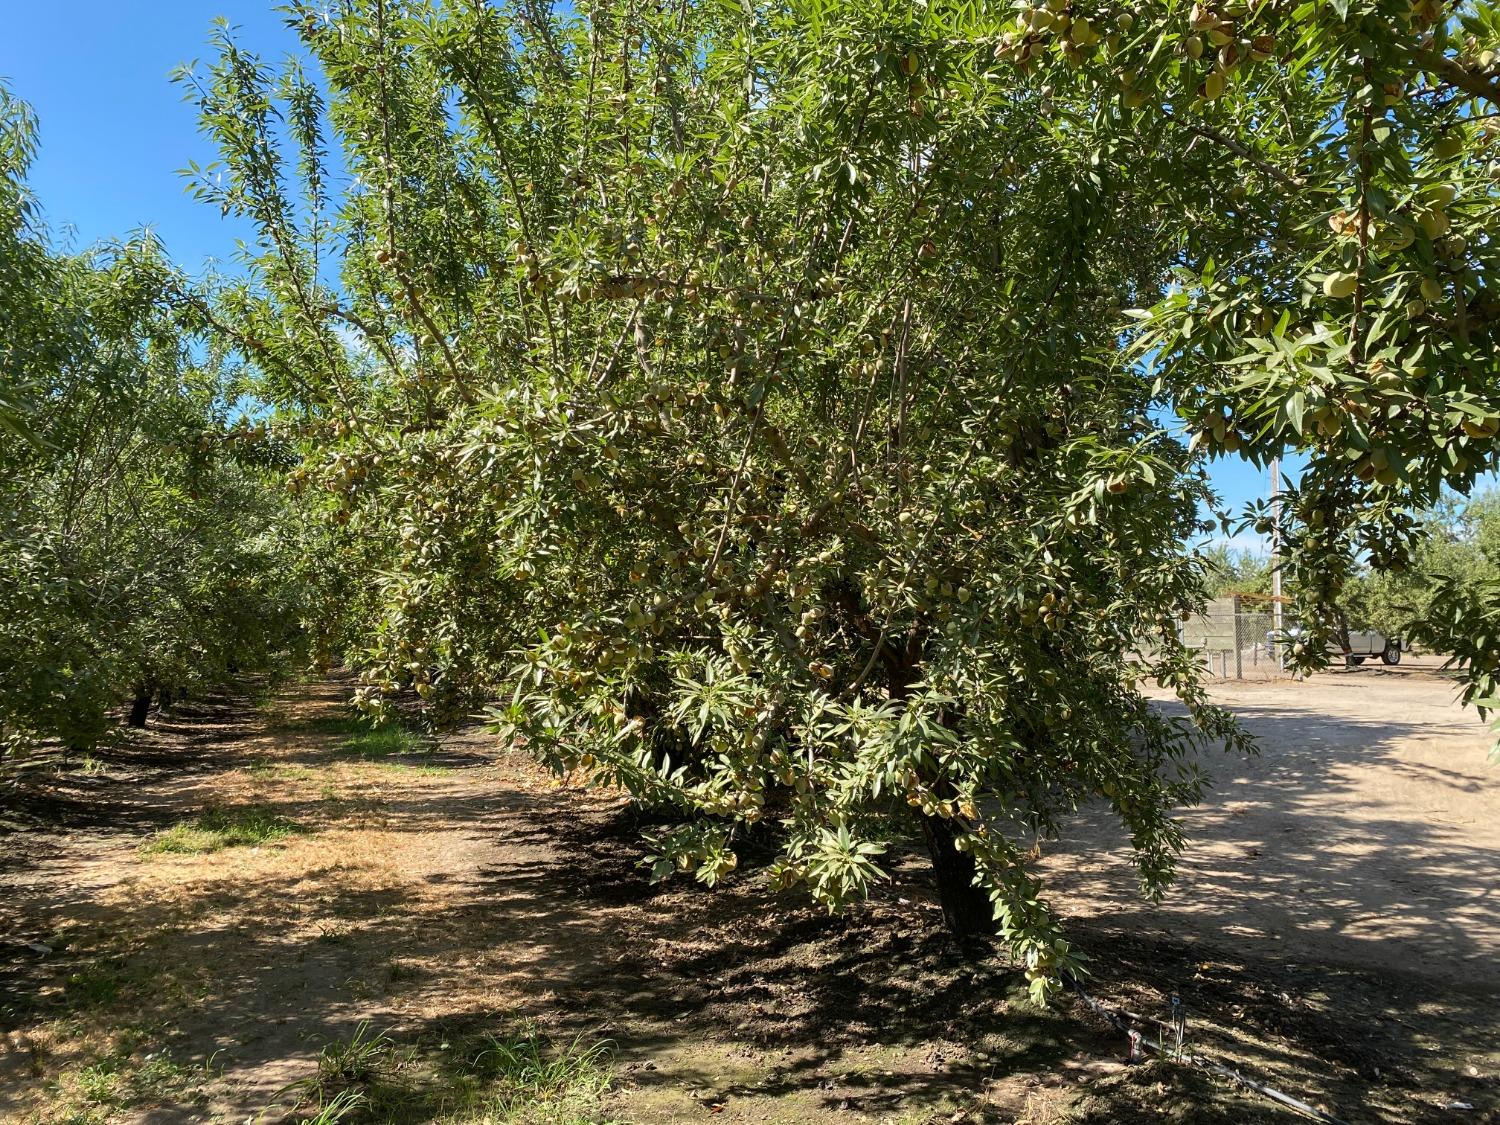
{"x": 141, "y": 708}
{"x": 966, "y": 908}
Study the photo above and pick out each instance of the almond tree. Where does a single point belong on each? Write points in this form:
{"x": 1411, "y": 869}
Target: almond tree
{"x": 743, "y": 401}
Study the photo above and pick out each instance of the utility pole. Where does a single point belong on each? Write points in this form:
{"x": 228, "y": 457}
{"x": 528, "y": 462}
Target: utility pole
{"x": 1276, "y": 622}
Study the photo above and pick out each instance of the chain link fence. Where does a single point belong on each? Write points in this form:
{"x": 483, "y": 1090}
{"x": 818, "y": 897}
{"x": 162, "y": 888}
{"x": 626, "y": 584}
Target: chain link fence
{"x": 1235, "y": 640}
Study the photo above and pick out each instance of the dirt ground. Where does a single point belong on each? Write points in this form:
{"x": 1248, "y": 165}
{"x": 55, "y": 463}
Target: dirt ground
{"x": 1335, "y": 933}
{"x": 1366, "y": 833}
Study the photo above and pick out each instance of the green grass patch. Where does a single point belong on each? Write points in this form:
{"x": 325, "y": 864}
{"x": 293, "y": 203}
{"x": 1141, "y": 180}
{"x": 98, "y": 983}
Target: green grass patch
{"x": 516, "y": 1076}
{"x": 416, "y": 770}
{"x": 340, "y": 724}
{"x": 217, "y": 828}
{"x": 102, "y": 1090}
{"x": 264, "y": 769}
{"x": 95, "y": 986}
{"x": 399, "y": 971}
{"x": 376, "y": 743}
{"x": 355, "y": 738}
{"x": 525, "y": 1078}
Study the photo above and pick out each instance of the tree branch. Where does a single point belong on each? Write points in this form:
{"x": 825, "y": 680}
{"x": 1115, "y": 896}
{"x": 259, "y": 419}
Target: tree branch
{"x": 1453, "y": 72}
{"x": 1209, "y": 133}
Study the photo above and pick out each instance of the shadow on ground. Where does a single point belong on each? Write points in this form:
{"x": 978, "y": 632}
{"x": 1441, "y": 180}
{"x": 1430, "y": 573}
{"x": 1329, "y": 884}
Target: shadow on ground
{"x": 451, "y": 902}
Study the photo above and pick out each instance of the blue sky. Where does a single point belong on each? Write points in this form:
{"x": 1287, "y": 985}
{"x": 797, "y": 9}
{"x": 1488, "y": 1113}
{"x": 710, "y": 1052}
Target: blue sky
{"x": 114, "y": 129}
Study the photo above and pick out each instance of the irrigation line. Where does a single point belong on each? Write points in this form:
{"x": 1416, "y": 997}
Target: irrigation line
{"x": 1199, "y": 1060}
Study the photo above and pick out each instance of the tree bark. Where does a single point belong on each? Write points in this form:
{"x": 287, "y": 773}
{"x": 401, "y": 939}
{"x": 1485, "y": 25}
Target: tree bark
{"x": 141, "y": 708}
{"x": 966, "y": 908}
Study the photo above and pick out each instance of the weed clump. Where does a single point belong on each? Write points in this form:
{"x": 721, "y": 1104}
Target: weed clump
{"x": 516, "y": 1076}
{"x": 219, "y": 827}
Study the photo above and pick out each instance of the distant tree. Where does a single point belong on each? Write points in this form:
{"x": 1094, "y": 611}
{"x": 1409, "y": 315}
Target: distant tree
{"x": 1230, "y": 571}
{"x": 141, "y": 538}
{"x": 1461, "y": 551}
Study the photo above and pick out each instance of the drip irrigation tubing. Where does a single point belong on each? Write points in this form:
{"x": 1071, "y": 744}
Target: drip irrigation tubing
{"x": 1198, "y": 1060}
